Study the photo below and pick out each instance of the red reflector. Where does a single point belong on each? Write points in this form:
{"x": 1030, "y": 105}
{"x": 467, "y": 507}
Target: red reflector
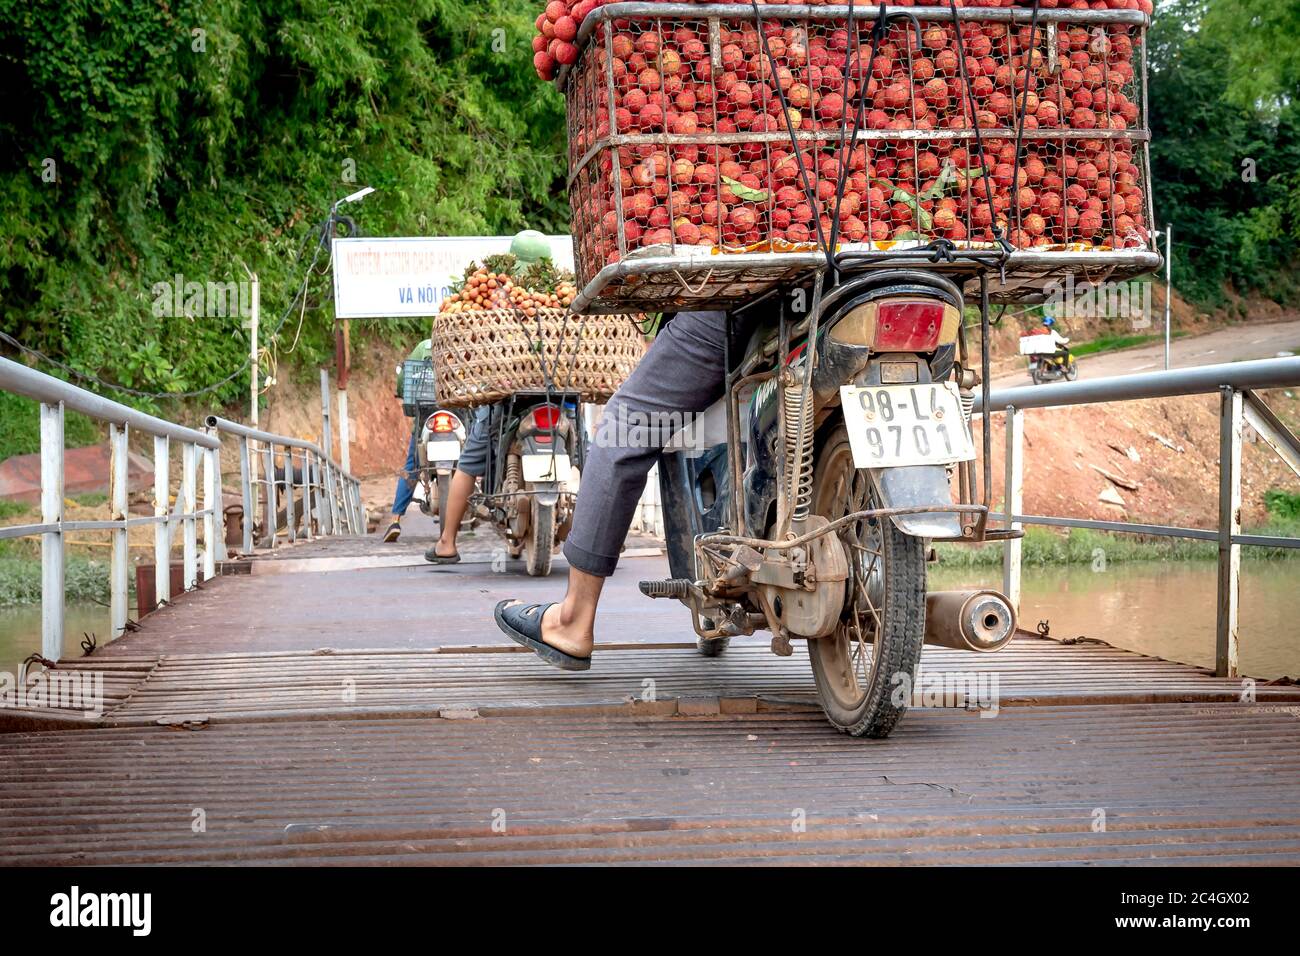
{"x": 444, "y": 422}
{"x": 908, "y": 326}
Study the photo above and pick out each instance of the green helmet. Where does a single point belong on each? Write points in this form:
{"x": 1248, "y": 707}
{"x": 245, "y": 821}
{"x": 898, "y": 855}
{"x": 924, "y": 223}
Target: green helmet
{"x": 529, "y": 247}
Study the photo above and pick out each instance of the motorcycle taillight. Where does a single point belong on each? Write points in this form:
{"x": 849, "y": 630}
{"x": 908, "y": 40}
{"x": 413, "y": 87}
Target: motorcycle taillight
{"x": 443, "y": 422}
{"x": 911, "y": 325}
{"x": 545, "y": 418}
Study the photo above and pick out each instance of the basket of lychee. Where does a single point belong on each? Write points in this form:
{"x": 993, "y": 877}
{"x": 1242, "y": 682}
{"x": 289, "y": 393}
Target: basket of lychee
{"x": 501, "y": 284}
{"x": 507, "y": 328}
{"x": 681, "y": 128}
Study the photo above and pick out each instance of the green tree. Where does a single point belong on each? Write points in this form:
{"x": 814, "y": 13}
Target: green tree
{"x": 1224, "y": 171}
{"x": 146, "y": 140}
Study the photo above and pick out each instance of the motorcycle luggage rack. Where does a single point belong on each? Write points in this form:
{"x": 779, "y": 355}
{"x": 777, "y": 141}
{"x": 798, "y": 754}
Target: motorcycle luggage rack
{"x": 707, "y": 279}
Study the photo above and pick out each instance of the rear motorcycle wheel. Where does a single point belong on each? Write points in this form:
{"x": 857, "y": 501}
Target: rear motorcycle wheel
{"x": 540, "y": 543}
{"x": 865, "y": 671}
{"x": 444, "y": 490}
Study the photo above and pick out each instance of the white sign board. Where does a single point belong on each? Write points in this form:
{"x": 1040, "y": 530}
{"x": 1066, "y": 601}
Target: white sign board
{"x": 405, "y": 278}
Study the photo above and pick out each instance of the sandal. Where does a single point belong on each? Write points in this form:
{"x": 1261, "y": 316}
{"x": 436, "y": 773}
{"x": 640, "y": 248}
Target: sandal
{"x": 433, "y": 557}
{"x": 522, "y": 623}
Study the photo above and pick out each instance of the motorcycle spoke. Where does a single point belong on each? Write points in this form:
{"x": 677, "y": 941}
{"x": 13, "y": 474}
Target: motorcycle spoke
{"x": 856, "y": 494}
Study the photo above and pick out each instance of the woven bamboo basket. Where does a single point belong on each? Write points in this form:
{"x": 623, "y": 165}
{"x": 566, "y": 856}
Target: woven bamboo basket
{"x": 483, "y": 357}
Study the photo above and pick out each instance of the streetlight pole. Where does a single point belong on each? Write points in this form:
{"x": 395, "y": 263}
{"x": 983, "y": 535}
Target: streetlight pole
{"x": 1169, "y": 287}
{"x": 342, "y": 345}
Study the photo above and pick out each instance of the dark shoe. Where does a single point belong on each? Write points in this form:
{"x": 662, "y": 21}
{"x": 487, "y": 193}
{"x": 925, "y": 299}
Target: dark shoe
{"x": 433, "y": 557}
{"x": 522, "y": 623}
{"x": 393, "y": 533}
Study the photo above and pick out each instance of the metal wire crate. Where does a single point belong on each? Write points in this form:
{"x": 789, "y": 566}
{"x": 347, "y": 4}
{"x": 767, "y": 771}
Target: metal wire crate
{"x": 418, "y": 385}
{"x": 686, "y": 190}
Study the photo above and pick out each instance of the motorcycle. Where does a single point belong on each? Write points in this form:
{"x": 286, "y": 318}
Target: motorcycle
{"x": 1060, "y": 366}
{"x": 442, "y": 435}
{"x": 438, "y": 432}
{"x": 538, "y": 446}
{"x": 806, "y": 500}
{"x": 1049, "y": 358}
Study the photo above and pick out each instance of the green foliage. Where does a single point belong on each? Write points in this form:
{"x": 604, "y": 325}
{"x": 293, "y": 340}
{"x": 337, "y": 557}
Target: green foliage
{"x": 12, "y": 509}
{"x": 1224, "y": 160}
{"x": 1044, "y": 546}
{"x": 20, "y": 427}
{"x": 1110, "y": 343}
{"x": 1264, "y": 58}
{"x": 20, "y": 580}
{"x": 1283, "y": 505}
{"x": 195, "y": 137}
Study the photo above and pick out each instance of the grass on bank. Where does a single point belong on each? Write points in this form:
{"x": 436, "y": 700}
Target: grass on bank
{"x": 85, "y": 576}
{"x": 1052, "y": 546}
{"x": 86, "y": 581}
{"x": 1112, "y": 343}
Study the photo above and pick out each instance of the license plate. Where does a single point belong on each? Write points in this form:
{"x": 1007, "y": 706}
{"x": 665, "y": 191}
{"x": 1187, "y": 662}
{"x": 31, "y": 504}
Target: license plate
{"x": 891, "y": 426}
{"x": 442, "y": 450}
{"x": 546, "y": 467}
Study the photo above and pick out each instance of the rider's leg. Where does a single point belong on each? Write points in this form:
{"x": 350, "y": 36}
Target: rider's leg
{"x": 462, "y": 486}
{"x": 682, "y": 373}
{"x": 471, "y": 467}
{"x": 404, "y": 492}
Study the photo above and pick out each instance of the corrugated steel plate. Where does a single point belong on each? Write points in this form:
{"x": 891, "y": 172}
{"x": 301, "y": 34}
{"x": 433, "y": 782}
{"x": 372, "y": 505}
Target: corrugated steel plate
{"x": 1177, "y": 783}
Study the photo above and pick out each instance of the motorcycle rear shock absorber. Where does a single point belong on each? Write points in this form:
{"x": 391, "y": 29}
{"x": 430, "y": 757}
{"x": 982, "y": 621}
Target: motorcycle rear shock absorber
{"x": 799, "y": 448}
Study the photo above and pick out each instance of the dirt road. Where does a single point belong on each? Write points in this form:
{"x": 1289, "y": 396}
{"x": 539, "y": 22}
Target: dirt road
{"x": 1235, "y": 344}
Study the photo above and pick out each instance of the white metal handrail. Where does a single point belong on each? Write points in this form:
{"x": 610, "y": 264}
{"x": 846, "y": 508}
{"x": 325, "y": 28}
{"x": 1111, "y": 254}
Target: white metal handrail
{"x": 330, "y": 495}
{"x": 1237, "y": 383}
{"x": 200, "y": 468}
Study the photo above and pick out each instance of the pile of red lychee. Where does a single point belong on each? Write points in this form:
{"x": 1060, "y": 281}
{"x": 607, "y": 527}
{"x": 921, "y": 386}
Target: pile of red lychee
{"x": 557, "y": 26}
{"x": 714, "y": 165}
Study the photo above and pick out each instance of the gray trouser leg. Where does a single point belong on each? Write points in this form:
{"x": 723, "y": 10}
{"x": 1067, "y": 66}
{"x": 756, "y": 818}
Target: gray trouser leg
{"x": 681, "y": 373}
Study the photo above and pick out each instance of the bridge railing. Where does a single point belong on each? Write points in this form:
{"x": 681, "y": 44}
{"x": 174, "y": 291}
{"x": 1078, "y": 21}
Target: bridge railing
{"x": 199, "y": 470}
{"x": 1237, "y": 383}
{"x": 329, "y": 496}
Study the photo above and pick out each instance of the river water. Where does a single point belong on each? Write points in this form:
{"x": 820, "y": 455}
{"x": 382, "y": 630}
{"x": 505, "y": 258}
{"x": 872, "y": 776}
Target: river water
{"x": 1165, "y": 609}
{"x": 1161, "y": 608}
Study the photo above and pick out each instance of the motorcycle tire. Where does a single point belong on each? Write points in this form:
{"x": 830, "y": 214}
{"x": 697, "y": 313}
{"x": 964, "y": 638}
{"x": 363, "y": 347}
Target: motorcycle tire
{"x": 885, "y": 610}
{"x": 539, "y": 546}
{"x": 444, "y": 492}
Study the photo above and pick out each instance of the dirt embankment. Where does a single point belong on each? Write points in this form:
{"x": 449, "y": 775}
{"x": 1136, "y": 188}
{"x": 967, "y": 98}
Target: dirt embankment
{"x": 1154, "y": 461}
{"x": 379, "y": 430}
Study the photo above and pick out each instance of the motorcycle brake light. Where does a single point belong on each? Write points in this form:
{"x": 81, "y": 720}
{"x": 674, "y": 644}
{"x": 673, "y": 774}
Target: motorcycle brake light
{"x": 910, "y": 325}
{"x": 545, "y": 418}
{"x": 444, "y": 422}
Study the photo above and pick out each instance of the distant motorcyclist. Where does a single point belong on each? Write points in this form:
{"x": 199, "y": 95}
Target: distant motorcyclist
{"x": 1061, "y": 342}
{"x": 410, "y": 475}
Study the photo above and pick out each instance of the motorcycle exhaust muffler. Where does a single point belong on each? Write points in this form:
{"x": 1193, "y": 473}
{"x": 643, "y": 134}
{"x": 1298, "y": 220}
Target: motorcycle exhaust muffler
{"x": 969, "y": 620}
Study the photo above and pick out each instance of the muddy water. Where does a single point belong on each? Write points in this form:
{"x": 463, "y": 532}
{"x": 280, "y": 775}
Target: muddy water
{"x": 20, "y": 631}
{"x": 1165, "y": 609}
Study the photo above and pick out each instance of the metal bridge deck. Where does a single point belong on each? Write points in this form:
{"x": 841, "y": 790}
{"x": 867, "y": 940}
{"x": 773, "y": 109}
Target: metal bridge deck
{"x": 661, "y": 679}
{"x": 1122, "y": 784}
{"x": 371, "y": 714}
